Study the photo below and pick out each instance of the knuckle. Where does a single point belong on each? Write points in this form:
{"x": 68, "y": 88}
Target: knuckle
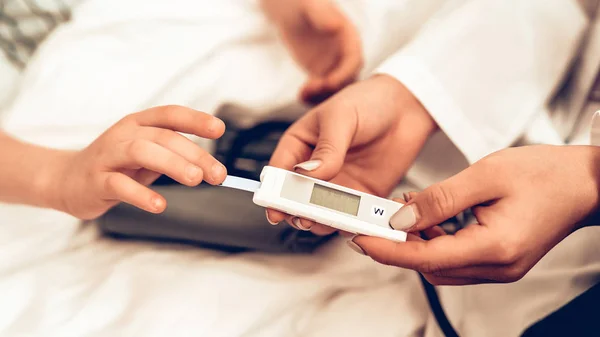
{"x": 172, "y": 109}
{"x": 110, "y": 184}
{"x": 432, "y": 279}
{"x": 136, "y": 148}
{"x": 201, "y": 155}
{"x": 130, "y": 119}
{"x": 507, "y": 252}
{"x": 493, "y": 159}
{"x": 492, "y": 164}
{"x": 513, "y": 274}
{"x": 439, "y": 272}
{"x": 430, "y": 267}
{"x": 326, "y": 147}
{"x": 387, "y": 258}
{"x": 163, "y": 136}
{"x": 441, "y": 202}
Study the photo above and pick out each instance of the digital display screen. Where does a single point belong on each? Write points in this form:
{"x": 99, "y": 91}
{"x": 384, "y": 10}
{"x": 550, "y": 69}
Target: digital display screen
{"x": 334, "y": 199}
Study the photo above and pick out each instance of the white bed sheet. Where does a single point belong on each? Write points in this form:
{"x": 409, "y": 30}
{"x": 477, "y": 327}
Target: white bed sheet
{"x": 58, "y": 277}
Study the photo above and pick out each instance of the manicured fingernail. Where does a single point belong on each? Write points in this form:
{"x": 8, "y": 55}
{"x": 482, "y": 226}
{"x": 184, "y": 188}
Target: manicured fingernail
{"x": 269, "y": 220}
{"x": 218, "y": 171}
{"x": 310, "y": 165}
{"x": 157, "y": 203}
{"x": 405, "y": 218}
{"x": 192, "y": 172}
{"x": 292, "y": 224}
{"x": 406, "y": 196}
{"x": 298, "y": 223}
{"x": 355, "y": 247}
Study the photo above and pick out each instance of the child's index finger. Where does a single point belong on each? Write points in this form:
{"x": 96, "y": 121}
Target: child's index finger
{"x": 182, "y": 119}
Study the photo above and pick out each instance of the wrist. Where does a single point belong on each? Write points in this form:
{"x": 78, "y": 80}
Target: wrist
{"x": 50, "y": 182}
{"x": 405, "y": 103}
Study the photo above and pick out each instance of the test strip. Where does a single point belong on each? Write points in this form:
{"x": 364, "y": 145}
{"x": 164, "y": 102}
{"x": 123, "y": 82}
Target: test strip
{"x": 241, "y": 183}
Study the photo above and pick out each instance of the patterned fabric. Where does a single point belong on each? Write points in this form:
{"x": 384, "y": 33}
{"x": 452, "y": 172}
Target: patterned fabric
{"x": 24, "y": 24}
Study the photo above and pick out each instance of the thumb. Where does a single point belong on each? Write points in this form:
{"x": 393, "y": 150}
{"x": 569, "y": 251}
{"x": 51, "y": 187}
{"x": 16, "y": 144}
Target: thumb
{"x": 446, "y": 199}
{"x": 336, "y": 129}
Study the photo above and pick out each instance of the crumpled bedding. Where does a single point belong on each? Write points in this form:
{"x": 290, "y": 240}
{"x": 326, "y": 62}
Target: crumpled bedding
{"x": 61, "y": 278}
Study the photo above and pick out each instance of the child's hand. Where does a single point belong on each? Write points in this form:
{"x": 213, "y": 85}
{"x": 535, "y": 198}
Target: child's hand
{"x": 131, "y": 155}
{"x": 322, "y": 40}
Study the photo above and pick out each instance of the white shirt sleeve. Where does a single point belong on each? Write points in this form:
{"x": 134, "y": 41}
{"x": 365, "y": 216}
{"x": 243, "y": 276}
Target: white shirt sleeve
{"x": 485, "y": 68}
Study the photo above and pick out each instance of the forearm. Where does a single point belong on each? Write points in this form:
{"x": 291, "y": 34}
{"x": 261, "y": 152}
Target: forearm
{"x": 476, "y": 72}
{"x": 28, "y": 172}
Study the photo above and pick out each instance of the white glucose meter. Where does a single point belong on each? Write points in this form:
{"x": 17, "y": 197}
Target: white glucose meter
{"x": 323, "y": 202}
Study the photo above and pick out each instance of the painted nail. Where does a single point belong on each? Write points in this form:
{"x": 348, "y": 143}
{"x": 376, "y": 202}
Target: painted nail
{"x": 298, "y": 223}
{"x": 355, "y": 247}
{"x": 292, "y": 224}
{"x": 192, "y": 172}
{"x": 269, "y": 220}
{"x": 404, "y": 218}
{"x": 310, "y": 165}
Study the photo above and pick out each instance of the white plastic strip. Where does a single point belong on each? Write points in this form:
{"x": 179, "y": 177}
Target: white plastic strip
{"x": 241, "y": 183}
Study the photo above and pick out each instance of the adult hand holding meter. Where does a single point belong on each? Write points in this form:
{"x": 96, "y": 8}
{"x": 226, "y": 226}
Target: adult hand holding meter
{"x": 364, "y": 138}
{"x": 526, "y": 200}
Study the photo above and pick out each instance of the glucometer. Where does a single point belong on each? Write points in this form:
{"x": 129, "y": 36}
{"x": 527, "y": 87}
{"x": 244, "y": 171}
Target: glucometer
{"x": 323, "y": 202}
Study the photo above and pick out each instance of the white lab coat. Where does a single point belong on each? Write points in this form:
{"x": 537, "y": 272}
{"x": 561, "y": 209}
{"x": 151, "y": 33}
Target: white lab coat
{"x": 487, "y": 72}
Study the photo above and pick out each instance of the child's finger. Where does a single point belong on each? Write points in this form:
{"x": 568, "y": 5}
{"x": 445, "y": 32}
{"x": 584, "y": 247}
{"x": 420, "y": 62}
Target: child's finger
{"x": 120, "y": 187}
{"x": 182, "y": 119}
{"x": 214, "y": 171}
{"x": 141, "y": 153}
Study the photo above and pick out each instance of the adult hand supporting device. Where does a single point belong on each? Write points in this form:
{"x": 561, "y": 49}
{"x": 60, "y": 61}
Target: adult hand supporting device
{"x": 323, "y": 202}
